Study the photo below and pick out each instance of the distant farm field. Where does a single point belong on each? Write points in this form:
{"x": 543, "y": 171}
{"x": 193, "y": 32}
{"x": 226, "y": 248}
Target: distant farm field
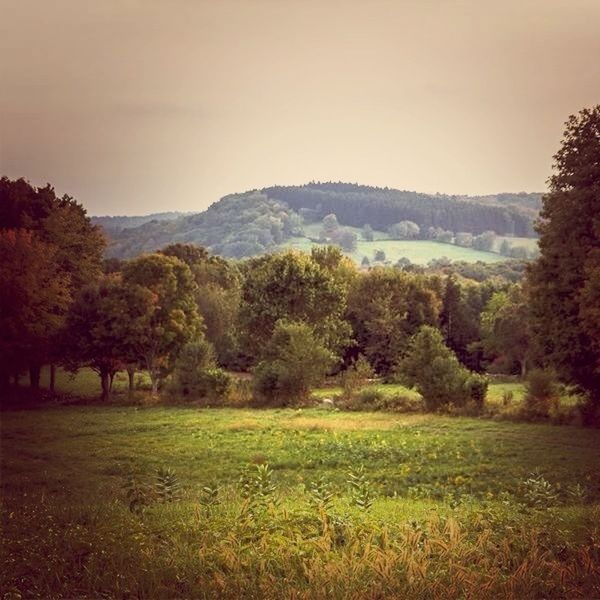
{"x": 418, "y": 251}
{"x": 166, "y": 502}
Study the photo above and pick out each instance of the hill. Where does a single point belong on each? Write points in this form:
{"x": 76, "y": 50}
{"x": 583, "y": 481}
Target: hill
{"x": 124, "y": 222}
{"x": 250, "y": 223}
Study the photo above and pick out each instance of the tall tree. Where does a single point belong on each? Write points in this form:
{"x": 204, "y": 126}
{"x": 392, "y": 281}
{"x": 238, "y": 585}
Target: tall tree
{"x": 295, "y": 287}
{"x": 107, "y": 325}
{"x": 505, "y": 328}
{"x": 386, "y": 307}
{"x": 564, "y": 278}
{"x": 34, "y": 296}
{"x": 63, "y": 225}
{"x": 174, "y": 320}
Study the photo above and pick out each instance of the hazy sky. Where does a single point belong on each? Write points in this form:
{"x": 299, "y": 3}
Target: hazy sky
{"x": 151, "y": 105}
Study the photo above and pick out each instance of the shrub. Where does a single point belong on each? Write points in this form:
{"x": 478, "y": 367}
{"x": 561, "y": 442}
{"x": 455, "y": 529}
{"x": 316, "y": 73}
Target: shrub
{"x": 188, "y": 375}
{"x": 295, "y": 360}
{"x": 433, "y": 369}
{"x": 476, "y": 387}
{"x": 540, "y": 393}
{"x": 355, "y": 376}
{"x": 215, "y": 384}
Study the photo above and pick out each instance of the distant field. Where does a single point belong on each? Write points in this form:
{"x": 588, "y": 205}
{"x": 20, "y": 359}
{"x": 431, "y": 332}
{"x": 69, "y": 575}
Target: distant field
{"x": 529, "y": 243}
{"x": 419, "y": 252}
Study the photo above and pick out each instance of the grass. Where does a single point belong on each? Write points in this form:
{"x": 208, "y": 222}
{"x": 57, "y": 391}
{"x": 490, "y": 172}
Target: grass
{"x": 451, "y": 514}
{"x": 418, "y": 251}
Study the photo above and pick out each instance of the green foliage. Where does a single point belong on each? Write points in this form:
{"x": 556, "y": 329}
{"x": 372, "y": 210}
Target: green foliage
{"x": 448, "y": 503}
{"x": 539, "y": 492}
{"x": 563, "y": 280}
{"x": 321, "y": 493}
{"x": 386, "y": 307}
{"x": 294, "y": 362}
{"x": 433, "y": 369}
{"x": 107, "y": 327}
{"x": 361, "y": 487}
{"x": 404, "y": 230}
{"x": 356, "y": 376}
{"x": 138, "y": 494}
{"x": 196, "y": 374}
{"x": 540, "y": 394}
{"x": 476, "y": 387}
{"x": 168, "y": 487}
{"x": 294, "y": 287}
{"x": 174, "y": 320}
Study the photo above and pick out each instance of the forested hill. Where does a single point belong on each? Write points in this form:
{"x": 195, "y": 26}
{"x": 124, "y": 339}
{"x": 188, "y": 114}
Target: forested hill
{"x": 253, "y": 222}
{"x": 125, "y": 222}
{"x": 355, "y": 205}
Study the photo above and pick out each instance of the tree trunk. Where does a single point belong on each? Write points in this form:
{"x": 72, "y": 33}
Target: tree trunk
{"x": 52, "y": 377}
{"x": 154, "y": 379}
{"x": 34, "y": 376}
{"x": 523, "y": 368}
{"x": 105, "y": 381}
{"x": 131, "y": 375}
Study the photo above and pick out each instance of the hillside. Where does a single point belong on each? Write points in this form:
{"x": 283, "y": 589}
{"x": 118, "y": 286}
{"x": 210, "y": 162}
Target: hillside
{"x": 254, "y": 222}
{"x": 124, "y": 222}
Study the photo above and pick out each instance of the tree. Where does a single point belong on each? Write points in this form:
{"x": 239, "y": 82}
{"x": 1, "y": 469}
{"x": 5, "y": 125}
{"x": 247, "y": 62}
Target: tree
{"x": 367, "y": 233}
{"x": 386, "y": 307}
{"x": 404, "y": 230}
{"x": 459, "y": 323}
{"x": 464, "y": 239}
{"x": 379, "y": 256}
{"x": 294, "y": 287}
{"x": 563, "y": 281}
{"x": 294, "y": 361}
{"x": 174, "y": 320}
{"x": 330, "y": 225}
{"x": 485, "y": 241}
{"x": 106, "y": 326}
{"x": 505, "y": 328}
{"x": 365, "y": 262}
{"x": 347, "y": 240}
{"x": 75, "y": 244}
{"x": 34, "y": 296}
{"x": 218, "y": 296}
{"x": 433, "y": 369}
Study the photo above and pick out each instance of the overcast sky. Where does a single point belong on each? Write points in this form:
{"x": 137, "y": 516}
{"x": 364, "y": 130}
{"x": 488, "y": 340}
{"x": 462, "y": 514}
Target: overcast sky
{"x": 139, "y": 106}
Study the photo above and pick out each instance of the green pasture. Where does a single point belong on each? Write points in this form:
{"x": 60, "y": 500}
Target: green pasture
{"x": 447, "y": 510}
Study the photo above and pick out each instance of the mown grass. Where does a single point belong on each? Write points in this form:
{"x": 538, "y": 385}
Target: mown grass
{"x": 451, "y": 516}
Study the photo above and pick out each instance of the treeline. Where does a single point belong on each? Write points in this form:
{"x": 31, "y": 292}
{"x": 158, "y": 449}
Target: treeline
{"x": 248, "y": 224}
{"x": 357, "y": 205}
{"x": 237, "y": 226}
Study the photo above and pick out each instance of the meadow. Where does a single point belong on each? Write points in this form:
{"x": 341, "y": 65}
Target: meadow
{"x": 417, "y": 251}
{"x": 174, "y": 501}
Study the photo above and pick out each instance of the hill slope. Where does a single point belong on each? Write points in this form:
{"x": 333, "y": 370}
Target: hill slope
{"x": 253, "y": 222}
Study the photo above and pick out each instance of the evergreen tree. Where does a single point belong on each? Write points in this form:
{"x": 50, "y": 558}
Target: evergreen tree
{"x": 564, "y": 288}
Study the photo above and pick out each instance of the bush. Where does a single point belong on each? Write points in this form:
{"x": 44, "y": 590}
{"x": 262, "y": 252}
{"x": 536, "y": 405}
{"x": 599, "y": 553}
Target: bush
{"x": 540, "y": 393}
{"x": 476, "y": 387}
{"x": 355, "y": 376}
{"x": 216, "y": 384}
{"x": 433, "y": 370}
{"x": 294, "y": 361}
{"x": 372, "y": 399}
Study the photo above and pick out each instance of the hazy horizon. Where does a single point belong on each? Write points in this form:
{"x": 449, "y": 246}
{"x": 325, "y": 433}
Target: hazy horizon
{"x": 137, "y": 107}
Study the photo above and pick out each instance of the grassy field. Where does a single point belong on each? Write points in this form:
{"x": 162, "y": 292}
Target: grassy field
{"x": 417, "y": 251}
{"x": 444, "y": 507}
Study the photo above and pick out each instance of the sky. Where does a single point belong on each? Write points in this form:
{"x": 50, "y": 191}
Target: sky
{"x": 141, "y": 106}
